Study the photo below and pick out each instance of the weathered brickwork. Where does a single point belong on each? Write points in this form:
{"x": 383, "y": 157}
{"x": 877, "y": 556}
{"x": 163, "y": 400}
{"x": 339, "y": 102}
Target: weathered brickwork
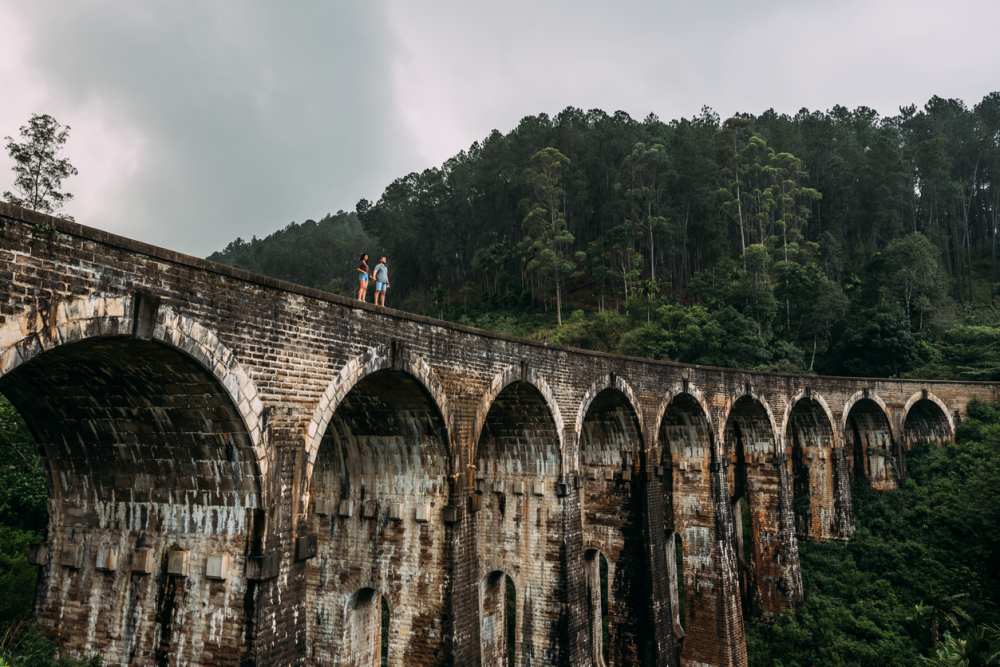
{"x": 243, "y": 471}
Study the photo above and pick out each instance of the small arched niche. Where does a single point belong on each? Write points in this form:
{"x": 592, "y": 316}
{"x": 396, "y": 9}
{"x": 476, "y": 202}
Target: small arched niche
{"x": 498, "y": 620}
{"x": 367, "y": 630}
{"x": 599, "y": 605}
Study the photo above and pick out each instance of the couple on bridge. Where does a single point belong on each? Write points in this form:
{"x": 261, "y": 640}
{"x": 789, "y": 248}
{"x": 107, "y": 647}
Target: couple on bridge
{"x": 380, "y": 274}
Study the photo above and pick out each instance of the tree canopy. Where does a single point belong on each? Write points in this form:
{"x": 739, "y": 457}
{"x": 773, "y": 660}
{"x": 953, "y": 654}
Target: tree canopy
{"x": 837, "y": 241}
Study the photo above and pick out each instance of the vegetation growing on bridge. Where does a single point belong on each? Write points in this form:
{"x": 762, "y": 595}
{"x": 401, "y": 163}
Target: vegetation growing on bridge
{"x": 920, "y": 581}
{"x": 838, "y": 241}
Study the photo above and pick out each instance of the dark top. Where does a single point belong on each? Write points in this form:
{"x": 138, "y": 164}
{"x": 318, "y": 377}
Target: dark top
{"x": 363, "y": 267}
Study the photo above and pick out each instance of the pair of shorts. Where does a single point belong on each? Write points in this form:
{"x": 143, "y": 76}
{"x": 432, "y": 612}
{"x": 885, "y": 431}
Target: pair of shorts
{"x": 380, "y": 286}
{"x": 362, "y": 278}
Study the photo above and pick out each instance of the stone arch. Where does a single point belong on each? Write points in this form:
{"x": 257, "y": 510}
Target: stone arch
{"x": 354, "y": 371}
{"x": 696, "y": 396}
{"x": 925, "y": 417}
{"x": 47, "y": 327}
{"x": 764, "y": 536}
{"x": 864, "y": 395}
{"x": 750, "y": 395}
{"x": 377, "y": 490}
{"x": 501, "y": 381}
{"x": 609, "y": 381}
{"x": 823, "y": 405}
{"x": 871, "y": 445}
{"x": 611, "y": 449}
{"x": 688, "y": 454}
{"x": 154, "y": 443}
{"x": 516, "y": 512}
{"x": 498, "y": 618}
{"x": 811, "y": 455}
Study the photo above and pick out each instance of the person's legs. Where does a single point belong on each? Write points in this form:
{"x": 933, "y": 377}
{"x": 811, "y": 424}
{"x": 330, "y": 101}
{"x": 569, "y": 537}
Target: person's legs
{"x": 379, "y": 293}
{"x": 362, "y": 290}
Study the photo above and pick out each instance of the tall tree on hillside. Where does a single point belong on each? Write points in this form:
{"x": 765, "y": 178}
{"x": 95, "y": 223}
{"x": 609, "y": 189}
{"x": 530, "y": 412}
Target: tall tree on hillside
{"x": 988, "y": 128}
{"x": 792, "y": 200}
{"x": 644, "y": 175}
{"x": 548, "y": 244}
{"x": 731, "y": 194}
{"x": 38, "y": 169}
{"x": 911, "y": 277}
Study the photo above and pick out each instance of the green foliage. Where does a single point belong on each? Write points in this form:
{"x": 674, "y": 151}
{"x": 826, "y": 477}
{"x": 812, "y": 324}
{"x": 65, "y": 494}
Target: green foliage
{"x": 23, "y": 494}
{"x": 823, "y": 231}
{"x": 24, "y": 645}
{"x": 17, "y": 576}
{"x": 320, "y": 254}
{"x": 23, "y": 517}
{"x": 547, "y": 244}
{"x": 38, "y": 169}
{"x": 920, "y": 581}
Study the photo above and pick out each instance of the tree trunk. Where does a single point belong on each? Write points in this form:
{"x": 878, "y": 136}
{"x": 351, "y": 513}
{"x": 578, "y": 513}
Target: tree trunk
{"x": 558, "y": 301}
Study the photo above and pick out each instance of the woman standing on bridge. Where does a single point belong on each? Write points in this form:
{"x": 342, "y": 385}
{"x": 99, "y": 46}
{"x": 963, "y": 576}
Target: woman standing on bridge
{"x": 363, "y": 277}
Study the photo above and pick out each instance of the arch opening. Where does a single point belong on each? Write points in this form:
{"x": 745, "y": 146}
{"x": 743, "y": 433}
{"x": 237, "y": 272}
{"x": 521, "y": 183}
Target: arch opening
{"x": 926, "y": 422}
{"x": 873, "y": 454}
{"x": 367, "y": 630}
{"x": 517, "y": 522}
{"x": 599, "y": 603}
{"x": 809, "y": 436}
{"x": 686, "y": 457}
{"x": 153, "y": 499}
{"x": 498, "y": 620}
{"x": 378, "y": 489}
{"x": 764, "y": 546}
{"x": 613, "y": 516}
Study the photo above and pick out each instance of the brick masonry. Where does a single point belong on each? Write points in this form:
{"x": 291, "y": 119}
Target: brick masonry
{"x": 245, "y": 471}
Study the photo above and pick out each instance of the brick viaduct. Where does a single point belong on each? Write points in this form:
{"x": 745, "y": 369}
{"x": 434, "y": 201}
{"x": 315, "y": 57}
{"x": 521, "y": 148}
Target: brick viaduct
{"x": 245, "y": 471}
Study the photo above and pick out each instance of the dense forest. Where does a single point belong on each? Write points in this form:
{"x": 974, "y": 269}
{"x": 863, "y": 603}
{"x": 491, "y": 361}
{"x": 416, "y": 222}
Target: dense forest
{"x": 839, "y": 241}
{"x": 920, "y": 581}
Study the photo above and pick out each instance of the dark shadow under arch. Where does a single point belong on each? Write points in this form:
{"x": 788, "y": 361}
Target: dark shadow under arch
{"x": 810, "y": 443}
{"x": 926, "y": 422}
{"x": 873, "y": 454}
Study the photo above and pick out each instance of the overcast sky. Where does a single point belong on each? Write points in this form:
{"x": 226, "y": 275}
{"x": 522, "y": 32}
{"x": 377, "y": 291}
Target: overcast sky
{"x": 195, "y": 123}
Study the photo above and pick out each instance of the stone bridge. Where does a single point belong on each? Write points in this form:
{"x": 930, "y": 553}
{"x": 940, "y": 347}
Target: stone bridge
{"x": 246, "y": 471}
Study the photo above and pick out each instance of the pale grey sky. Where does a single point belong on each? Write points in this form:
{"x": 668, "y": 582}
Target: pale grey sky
{"x": 195, "y": 123}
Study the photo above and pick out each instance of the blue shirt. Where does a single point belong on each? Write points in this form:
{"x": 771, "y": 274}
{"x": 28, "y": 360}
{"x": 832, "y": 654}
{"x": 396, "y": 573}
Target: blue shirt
{"x": 381, "y": 273}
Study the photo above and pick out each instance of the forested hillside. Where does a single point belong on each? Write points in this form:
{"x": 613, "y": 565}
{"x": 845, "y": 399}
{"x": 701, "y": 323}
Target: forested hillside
{"x": 919, "y": 584}
{"x": 839, "y": 241}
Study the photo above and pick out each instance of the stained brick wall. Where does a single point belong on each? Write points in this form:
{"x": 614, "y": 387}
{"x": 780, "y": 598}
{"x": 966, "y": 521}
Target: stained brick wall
{"x": 342, "y": 459}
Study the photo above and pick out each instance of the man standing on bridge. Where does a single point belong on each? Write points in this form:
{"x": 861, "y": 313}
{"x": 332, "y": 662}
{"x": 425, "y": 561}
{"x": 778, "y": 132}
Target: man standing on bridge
{"x": 381, "y": 274}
